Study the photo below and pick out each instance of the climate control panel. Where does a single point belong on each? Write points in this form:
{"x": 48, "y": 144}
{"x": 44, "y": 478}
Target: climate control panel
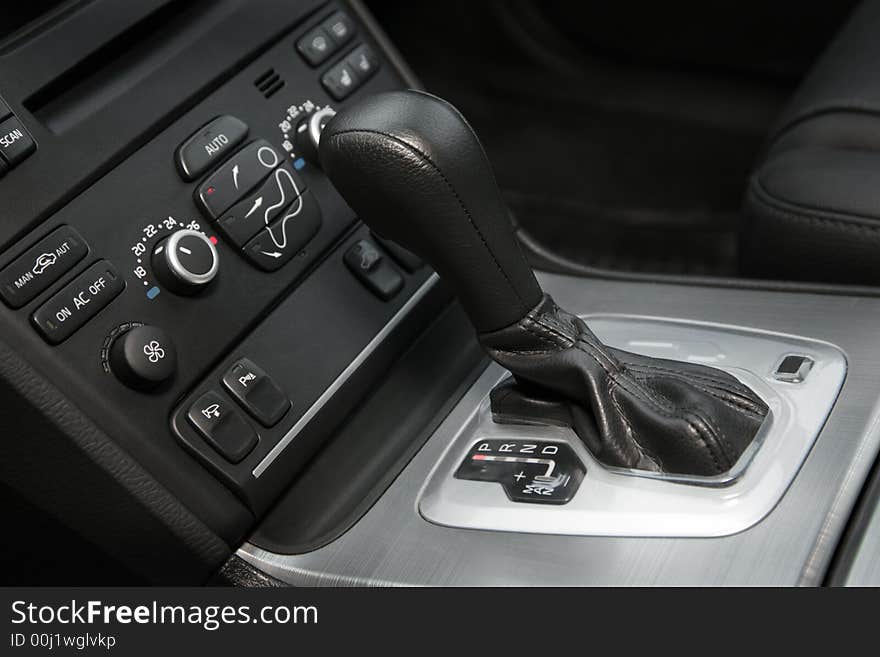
{"x": 207, "y": 295}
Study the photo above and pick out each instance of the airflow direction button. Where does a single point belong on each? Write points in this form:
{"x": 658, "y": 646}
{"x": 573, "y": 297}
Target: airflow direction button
{"x": 238, "y": 176}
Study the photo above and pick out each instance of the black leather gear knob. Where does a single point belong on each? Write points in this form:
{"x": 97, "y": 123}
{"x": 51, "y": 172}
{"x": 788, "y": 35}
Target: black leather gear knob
{"x": 413, "y": 170}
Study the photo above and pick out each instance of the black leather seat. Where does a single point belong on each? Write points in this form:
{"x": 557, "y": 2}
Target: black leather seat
{"x": 813, "y": 203}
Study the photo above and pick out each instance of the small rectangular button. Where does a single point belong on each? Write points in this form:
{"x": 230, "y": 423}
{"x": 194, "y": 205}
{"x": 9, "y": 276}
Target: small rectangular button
{"x": 339, "y": 27}
{"x": 340, "y": 80}
{"x": 276, "y": 244}
{"x": 372, "y": 268}
{"x": 793, "y": 368}
{"x": 316, "y": 46}
{"x": 363, "y": 61}
{"x": 66, "y": 312}
{"x": 15, "y": 141}
{"x": 4, "y": 109}
{"x": 239, "y": 175}
{"x": 245, "y": 219}
{"x": 256, "y": 392}
{"x": 222, "y": 426}
{"x": 209, "y": 145}
{"x": 406, "y": 259}
{"x": 41, "y": 265}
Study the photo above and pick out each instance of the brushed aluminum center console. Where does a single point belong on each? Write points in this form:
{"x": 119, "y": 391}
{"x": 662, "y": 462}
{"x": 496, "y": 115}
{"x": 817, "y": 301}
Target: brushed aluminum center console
{"x": 775, "y": 519}
{"x": 637, "y": 503}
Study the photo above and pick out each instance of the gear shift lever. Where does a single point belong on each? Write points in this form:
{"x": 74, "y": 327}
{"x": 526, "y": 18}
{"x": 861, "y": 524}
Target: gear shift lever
{"x": 413, "y": 170}
{"x": 416, "y": 173}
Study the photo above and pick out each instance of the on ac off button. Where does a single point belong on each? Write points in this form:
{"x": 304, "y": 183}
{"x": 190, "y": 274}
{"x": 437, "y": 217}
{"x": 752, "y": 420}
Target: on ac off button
{"x": 66, "y": 312}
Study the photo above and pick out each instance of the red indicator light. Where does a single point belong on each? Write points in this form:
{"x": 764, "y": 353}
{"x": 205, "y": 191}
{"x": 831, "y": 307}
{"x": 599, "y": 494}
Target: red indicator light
{"x": 213, "y": 240}
{"x": 210, "y": 190}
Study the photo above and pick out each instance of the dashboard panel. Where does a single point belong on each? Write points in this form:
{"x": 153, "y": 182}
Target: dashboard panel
{"x": 175, "y": 261}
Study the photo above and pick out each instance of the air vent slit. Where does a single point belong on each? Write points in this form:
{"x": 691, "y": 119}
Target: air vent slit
{"x": 269, "y": 83}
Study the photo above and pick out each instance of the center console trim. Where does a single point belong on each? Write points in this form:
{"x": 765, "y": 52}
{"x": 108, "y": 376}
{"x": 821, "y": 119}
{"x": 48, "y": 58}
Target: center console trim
{"x": 346, "y": 374}
{"x": 619, "y": 502}
{"x": 793, "y": 545}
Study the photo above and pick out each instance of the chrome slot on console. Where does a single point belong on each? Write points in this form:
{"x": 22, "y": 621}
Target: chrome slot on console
{"x": 616, "y": 502}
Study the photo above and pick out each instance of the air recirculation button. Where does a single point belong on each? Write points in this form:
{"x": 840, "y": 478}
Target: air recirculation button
{"x": 143, "y": 357}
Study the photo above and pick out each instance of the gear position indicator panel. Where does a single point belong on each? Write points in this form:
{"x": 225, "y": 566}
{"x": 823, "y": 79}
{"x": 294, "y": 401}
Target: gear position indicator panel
{"x": 537, "y": 472}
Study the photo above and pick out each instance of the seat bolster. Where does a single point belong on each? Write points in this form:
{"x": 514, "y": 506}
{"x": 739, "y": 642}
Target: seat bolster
{"x": 814, "y": 214}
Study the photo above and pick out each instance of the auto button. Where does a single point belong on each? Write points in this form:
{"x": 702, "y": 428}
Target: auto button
{"x": 209, "y": 145}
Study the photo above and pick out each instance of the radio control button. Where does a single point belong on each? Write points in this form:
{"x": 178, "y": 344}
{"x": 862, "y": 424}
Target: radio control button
{"x": 15, "y": 141}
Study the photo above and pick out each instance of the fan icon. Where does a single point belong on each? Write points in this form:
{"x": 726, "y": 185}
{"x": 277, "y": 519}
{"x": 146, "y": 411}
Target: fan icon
{"x": 154, "y": 351}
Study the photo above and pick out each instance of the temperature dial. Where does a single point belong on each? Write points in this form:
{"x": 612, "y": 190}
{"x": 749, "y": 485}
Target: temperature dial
{"x": 185, "y": 261}
{"x": 308, "y": 133}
